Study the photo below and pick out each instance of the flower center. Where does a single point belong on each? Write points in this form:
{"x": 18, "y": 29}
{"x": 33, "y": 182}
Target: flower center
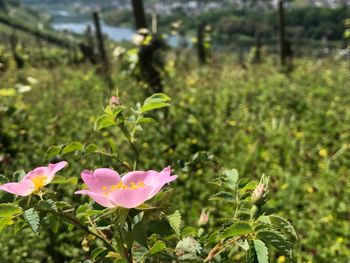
{"x": 132, "y": 186}
{"x": 38, "y": 181}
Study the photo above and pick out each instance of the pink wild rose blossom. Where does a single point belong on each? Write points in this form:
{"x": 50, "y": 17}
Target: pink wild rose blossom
{"x": 33, "y": 181}
{"x": 109, "y": 190}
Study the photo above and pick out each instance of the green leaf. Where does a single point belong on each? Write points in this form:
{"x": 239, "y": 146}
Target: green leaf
{"x": 188, "y": 249}
{"x": 157, "y": 247}
{"x": 243, "y": 244}
{"x": 175, "y": 221}
{"x": 91, "y": 148}
{"x": 237, "y": 229}
{"x": 97, "y": 251}
{"x": 251, "y": 256}
{"x": 104, "y": 121}
{"x": 231, "y": 177}
{"x": 10, "y": 210}
{"x": 140, "y": 253}
{"x": 7, "y": 92}
{"x": 145, "y": 207}
{"x": 4, "y": 221}
{"x": 261, "y": 251}
{"x": 285, "y": 226}
{"x": 53, "y": 151}
{"x": 47, "y": 205}
{"x": 32, "y": 218}
{"x": 277, "y": 240}
{"x": 58, "y": 179}
{"x": 223, "y": 196}
{"x": 18, "y": 175}
{"x": 157, "y": 97}
{"x": 72, "y": 147}
{"x": 153, "y": 106}
{"x": 139, "y": 233}
{"x": 146, "y": 120}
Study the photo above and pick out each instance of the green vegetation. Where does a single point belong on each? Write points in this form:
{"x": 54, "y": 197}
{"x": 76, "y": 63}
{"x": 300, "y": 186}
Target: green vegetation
{"x": 292, "y": 128}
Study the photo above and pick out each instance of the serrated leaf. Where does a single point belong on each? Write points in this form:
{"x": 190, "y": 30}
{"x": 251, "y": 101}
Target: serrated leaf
{"x": 97, "y": 251}
{"x": 153, "y": 106}
{"x": 10, "y": 210}
{"x": 285, "y": 226}
{"x": 47, "y": 204}
{"x": 231, "y": 178}
{"x": 72, "y": 147}
{"x": 251, "y": 256}
{"x": 32, "y": 218}
{"x": 277, "y": 240}
{"x": 237, "y": 229}
{"x": 261, "y": 251}
{"x": 140, "y": 253}
{"x": 157, "y": 247}
{"x": 188, "y": 249}
{"x": 104, "y": 121}
{"x": 175, "y": 221}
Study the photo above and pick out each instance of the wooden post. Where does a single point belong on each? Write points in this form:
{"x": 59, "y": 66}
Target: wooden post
{"x": 200, "y": 44}
{"x": 281, "y": 33}
{"x": 102, "y": 50}
{"x": 139, "y": 14}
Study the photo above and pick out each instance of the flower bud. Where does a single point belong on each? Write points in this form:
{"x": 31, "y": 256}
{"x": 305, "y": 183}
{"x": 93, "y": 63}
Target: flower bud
{"x": 259, "y": 196}
{"x": 114, "y": 101}
{"x": 203, "y": 218}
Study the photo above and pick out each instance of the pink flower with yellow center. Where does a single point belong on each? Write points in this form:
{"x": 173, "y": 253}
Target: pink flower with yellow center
{"x": 109, "y": 190}
{"x": 33, "y": 181}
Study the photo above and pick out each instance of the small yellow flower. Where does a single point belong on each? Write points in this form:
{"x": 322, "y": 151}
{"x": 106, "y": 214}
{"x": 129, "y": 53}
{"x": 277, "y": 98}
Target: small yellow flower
{"x": 281, "y": 259}
{"x": 340, "y": 240}
{"x": 299, "y": 135}
{"x": 171, "y": 151}
{"x": 284, "y": 186}
{"x": 311, "y": 190}
{"x": 323, "y": 152}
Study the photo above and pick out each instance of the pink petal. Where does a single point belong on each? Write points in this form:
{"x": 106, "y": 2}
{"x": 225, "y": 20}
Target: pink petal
{"x": 151, "y": 178}
{"x": 100, "y": 199}
{"x": 53, "y": 169}
{"x": 130, "y": 198}
{"x": 36, "y": 172}
{"x": 23, "y": 188}
{"x": 100, "y": 178}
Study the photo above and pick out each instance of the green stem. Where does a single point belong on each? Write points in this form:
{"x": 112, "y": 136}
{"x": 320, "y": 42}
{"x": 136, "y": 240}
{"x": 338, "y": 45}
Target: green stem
{"x": 73, "y": 220}
{"x": 116, "y": 157}
{"x": 132, "y": 145}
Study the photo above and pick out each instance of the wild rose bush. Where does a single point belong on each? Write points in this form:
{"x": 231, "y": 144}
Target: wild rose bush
{"x": 126, "y": 218}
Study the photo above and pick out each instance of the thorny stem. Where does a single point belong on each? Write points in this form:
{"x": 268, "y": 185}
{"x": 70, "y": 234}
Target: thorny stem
{"x": 220, "y": 247}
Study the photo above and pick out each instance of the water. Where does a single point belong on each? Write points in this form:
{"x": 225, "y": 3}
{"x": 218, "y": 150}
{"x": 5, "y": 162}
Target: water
{"x": 114, "y": 33}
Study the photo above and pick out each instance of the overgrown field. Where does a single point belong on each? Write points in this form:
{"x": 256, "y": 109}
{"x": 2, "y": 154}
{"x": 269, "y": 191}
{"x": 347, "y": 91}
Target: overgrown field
{"x": 293, "y": 127}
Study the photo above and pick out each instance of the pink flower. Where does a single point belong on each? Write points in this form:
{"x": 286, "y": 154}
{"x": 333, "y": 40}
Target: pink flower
{"x": 109, "y": 190}
{"x": 33, "y": 181}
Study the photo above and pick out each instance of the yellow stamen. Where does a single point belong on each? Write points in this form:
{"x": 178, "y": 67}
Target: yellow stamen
{"x": 38, "y": 181}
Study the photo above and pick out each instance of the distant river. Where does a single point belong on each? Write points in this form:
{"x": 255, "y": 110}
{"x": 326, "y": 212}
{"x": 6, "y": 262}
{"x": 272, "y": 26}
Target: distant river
{"x": 114, "y": 33}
